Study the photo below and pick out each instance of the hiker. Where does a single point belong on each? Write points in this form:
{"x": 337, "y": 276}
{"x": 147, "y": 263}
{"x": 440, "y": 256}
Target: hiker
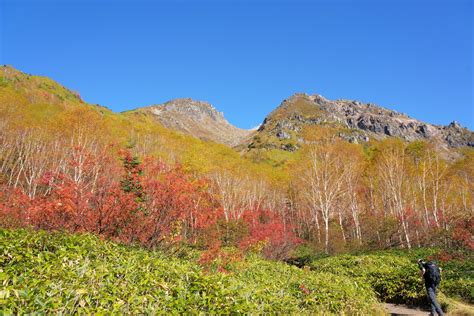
{"x": 432, "y": 276}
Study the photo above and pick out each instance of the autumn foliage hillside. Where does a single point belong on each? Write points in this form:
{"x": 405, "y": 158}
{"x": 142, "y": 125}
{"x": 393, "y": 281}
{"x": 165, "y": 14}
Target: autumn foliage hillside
{"x": 69, "y": 165}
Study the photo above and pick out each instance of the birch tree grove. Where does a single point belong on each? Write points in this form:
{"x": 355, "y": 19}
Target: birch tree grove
{"x": 324, "y": 180}
{"x": 401, "y": 194}
{"x": 353, "y": 165}
{"x": 392, "y": 170}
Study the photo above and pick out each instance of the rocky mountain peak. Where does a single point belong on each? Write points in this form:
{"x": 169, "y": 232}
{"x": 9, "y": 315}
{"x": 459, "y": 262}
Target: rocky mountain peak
{"x": 358, "y": 122}
{"x": 197, "y": 118}
{"x": 199, "y": 110}
{"x": 455, "y": 125}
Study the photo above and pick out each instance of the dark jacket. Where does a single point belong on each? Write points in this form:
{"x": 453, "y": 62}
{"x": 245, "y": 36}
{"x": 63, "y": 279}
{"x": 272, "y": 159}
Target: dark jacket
{"x": 431, "y": 279}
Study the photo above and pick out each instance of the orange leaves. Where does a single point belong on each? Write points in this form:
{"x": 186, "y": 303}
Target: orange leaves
{"x": 304, "y": 289}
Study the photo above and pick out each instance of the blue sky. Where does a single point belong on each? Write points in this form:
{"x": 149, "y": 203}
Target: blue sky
{"x": 245, "y": 57}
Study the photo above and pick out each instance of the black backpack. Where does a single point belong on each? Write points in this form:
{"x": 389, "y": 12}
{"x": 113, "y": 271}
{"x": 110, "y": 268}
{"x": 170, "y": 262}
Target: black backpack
{"x": 432, "y": 273}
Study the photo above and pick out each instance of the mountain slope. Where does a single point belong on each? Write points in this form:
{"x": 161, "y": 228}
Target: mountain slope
{"x": 44, "y": 109}
{"x": 197, "y": 118}
{"x": 38, "y": 100}
{"x": 354, "y": 121}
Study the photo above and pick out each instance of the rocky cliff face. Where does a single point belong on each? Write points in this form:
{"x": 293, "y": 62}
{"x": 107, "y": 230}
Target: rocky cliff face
{"x": 357, "y": 122}
{"x": 199, "y": 119}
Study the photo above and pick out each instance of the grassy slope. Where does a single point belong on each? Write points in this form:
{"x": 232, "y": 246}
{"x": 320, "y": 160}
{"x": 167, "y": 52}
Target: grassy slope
{"x": 60, "y": 273}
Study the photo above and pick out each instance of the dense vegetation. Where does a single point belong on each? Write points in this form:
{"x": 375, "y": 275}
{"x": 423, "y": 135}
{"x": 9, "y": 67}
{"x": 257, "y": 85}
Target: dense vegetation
{"x": 63, "y": 273}
{"x": 394, "y": 275}
{"x": 60, "y": 273}
{"x": 70, "y": 166}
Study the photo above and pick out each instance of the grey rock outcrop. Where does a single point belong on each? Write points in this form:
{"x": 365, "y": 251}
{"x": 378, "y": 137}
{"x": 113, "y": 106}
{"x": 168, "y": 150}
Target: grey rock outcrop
{"x": 361, "y": 121}
{"x": 199, "y": 119}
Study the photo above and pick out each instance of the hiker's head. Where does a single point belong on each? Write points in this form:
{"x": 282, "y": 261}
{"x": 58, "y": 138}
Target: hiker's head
{"x": 421, "y": 264}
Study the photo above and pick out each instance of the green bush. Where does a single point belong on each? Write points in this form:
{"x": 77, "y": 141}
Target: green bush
{"x": 458, "y": 278}
{"x": 395, "y": 277}
{"x": 56, "y": 273}
{"x": 291, "y": 289}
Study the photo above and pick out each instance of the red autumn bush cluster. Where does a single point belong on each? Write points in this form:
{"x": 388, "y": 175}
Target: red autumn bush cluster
{"x": 463, "y": 234}
{"x": 148, "y": 203}
{"x": 268, "y": 229}
{"x": 258, "y": 230}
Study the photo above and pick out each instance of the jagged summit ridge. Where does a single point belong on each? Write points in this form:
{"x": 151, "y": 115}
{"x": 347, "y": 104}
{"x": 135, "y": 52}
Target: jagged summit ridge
{"x": 360, "y": 122}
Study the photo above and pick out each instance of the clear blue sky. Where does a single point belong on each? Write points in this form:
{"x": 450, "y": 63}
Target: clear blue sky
{"x": 245, "y": 57}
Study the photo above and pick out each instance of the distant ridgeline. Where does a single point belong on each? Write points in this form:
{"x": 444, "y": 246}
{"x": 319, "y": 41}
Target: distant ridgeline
{"x": 283, "y": 128}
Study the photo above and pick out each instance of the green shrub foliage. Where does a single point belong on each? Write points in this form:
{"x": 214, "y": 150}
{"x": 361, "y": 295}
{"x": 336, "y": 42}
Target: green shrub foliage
{"x": 57, "y": 273}
{"x": 395, "y": 277}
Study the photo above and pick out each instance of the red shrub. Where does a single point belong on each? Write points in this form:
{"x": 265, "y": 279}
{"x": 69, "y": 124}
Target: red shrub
{"x": 464, "y": 232}
{"x": 268, "y": 229}
{"x": 14, "y": 208}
